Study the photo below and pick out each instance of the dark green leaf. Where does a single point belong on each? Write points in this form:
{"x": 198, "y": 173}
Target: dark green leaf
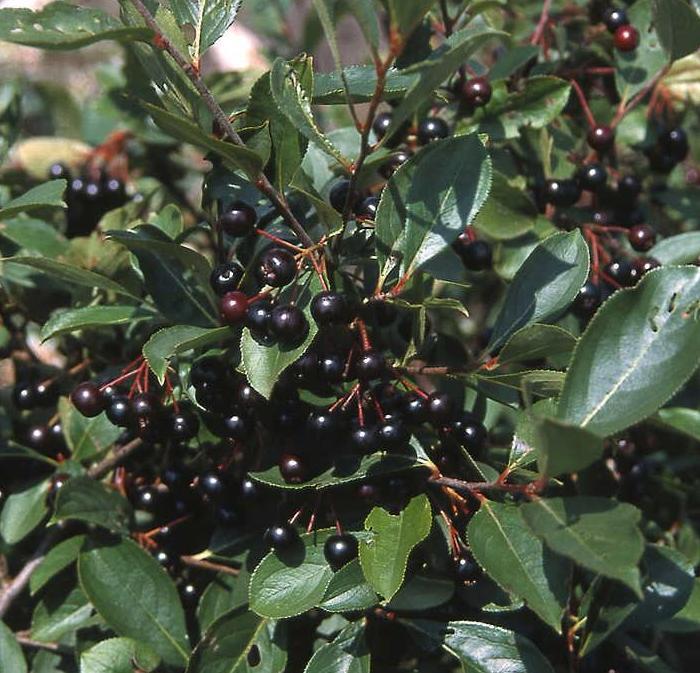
{"x": 422, "y": 592}
{"x": 362, "y": 81}
{"x": 678, "y": 26}
{"x": 72, "y": 320}
{"x": 348, "y": 652}
{"x": 59, "y": 558}
{"x": 623, "y": 370}
{"x": 34, "y": 235}
{"x": 564, "y": 448}
{"x": 59, "y": 613}
{"x": 580, "y": 528}
{"x": 680, "y": 419}
{"x": 86, "y": 437}
{"x": 85, "y": 499}
{"x": 62, "y": 25}
{"x": 679, "y": 249}
{"x": 224, "y": 594}
{"x": 405, "y": 16}
{"x": 537, "y": 341}
{"x": 48, "y": 195}
{"x": 11, "y": 658}
{"x": 209, "y": 20}
{"x": 384, "y": 555}
{"x": 118, "y": 655}
{"x": 22, "y": 512}
{"x": 544, "y": 286}
{"x": 348, "y": 591}
{"x": 135, "y": 596}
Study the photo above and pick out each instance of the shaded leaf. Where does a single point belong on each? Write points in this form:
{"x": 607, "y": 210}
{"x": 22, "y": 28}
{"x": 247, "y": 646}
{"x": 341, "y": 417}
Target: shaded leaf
{"x": 48, "y": 195}
{"x": 536, "y": 341}
{"x": 348, "y": 652}
{"x": 72, "y": 320}
{"x": 86, "y": 437}
{"x": 11, "y": 656}
{"x": 22, "y": 512}
{"x": 58, "y": 558}
{"x": 84, "y": 499}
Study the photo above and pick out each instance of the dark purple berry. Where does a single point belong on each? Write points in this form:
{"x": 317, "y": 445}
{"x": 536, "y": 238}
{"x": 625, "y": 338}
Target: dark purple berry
{"x": 87, "y": 400}
{"x": 288, "y": 324}
{"x": 340, "y": 550}
{"x": 276, "y": 267}
{"x": 601, "y": 138}
{"x": 432, "y": 128}
{"x": 292, "y": 469}
{"x": 281, "y": 536}
{"x": 233, "y": 308}
{"x": 370, "y": 365}
{"x": 226, "y": 278}
{"x": 476, "y": 92}
{"x": 238, "y": 220}
{"x": 330, "y": 308}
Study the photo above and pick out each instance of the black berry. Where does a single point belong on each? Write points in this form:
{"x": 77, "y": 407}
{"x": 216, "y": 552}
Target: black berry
{"x": 587, "y": 300}
{"x": 476, "y": 92}
{"x": 614, "y": 17}
{"x": 330, "y": 308}
{"x": 276, "y": 267}
{"x": 642, "y": 237}
{"x": 432, "y": 128}
{"x": 370, "y": 365}
{"x": 226, "y": 278}
{"x": 281, "y": 536}
{"x": 601, "y": 138}
{"x": 340, "y": 550}
{"x": 367, "y": 208}
{"x": 87, "y": 400}
{"x": 394, "y": 162}
{"x": 592, "y": 177}
{"x": 338, "y": 195}
{"x": 292, "y": 469}
{"x": 233, "y": 308}
{"x": 238, "y": 220}
{"x": 288, "y": 324}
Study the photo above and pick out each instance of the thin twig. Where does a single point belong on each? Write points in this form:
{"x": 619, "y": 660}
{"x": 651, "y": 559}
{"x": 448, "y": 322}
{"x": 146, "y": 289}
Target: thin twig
{"x": 472, "y": 487}
{"x": 113, "y": 459}
{"x": 542, "y": 23}
{"x": 261, "y": 181}
{"x": 23, "y": 639}
{"x": 209, "y": 565}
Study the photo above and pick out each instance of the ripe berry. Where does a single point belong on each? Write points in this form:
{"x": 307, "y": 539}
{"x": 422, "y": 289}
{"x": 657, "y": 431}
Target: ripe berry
{"x": 620, "y": 270}
{"x": 276, "y": 267}
{"x": 415, "y": 408}
{"x": 233, "y": 308}
{"x": 394, "y": 162}
{"x": 340, "y": 550}
{"x": 322, "y": 425}
{"x": 206, "y": 371}
{"x": 440, "y": 408}
{"x": 87, "y": 400}
{"x": 257, "y": 317}
{"x": 293, "y": 471}
{"x": 211, "y": 485}
{"x": 364, "y": 439}
{"x": 39, "y": 438}
{"x": 281, "y": 536}
{"x": 59, "y": 171}
{"x": 119, "y": 411}
{"x": 58, "y": 481}
{"x": 92, "y": 191}
{"x": 235, "y": 426}
{"x": 644, "y": 264}
{"x": 476, "y": 91}
{"x": 614, "y": 17}
{"x": 626, "y": 38}
{"x": 226, "y": 278}
{"x": 432, "y": 128}
{"x": 466, "y": 569}
{"x": 367, "y": 208}
{"x": 587, "y": 300}
{"x": 58, "y": 441}
{"x": 470, "y": 433}
{"x": 331, "y": 368}
{"x": 24, "y": 396}
{"x": 228, "y": 515}
{"x": 381, "y": 124}
{"x": 601, "y": 138}
{"x": 238, "y": 220}
{"x": 145, "y": 404}
{"x": 629, "y": 187}
{"x": 184, "y": 425}
{"x": 249, "y": 490}
{"x": 675, "y": 144}
{"x": 330, "y": 308}
{"x": 189, "y": 593}
{"x": 476, "y": 255}
{"x": 660, "y": 161}
{"x": 592, "y": 177}
{"x": 562, "y": 192}
{"x": 339, "y": 194}
{"x": 393, "y": 434}
{"x": 147, "y": 498}
{"x": 288, "y": 324}
{"x": 370, "y": 365}
{"x": 642, "y": 237}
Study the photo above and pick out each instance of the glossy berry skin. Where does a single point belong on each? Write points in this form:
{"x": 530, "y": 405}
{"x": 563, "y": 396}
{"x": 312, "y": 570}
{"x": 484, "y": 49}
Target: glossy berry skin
{"x": 601, "y": 138}
{"x": 620, "y": 270}
{"x": 441, "y": 408}
{"x": 381, "y": 124}
{"x": 614, "y": 17}
{"x": 476, "y": 255}
{"x": 629, "y": 187}
{"x": 233, "y": 308}
{"x": 643, "y": 265}
{"x": 562, "y": 193}
{"x": 249, "y": 490}
{"x": 466, "y": 569}
{"x": 322, "y": 425}
{"x": 189, "y": 593}
{"x": 288, "y": 324}
{"x": 364, "y": 439}
{"x": 338, "y": 195}
{"x": 642, "y": 237}
{"x": 147, "y": 498}
{"x": 184, "y": 425}
{"x": 211, "y": 485}
{"x": 58, "y": 172}
{"x": 235, "y": 426}
{"x": 276, "y": 267}
{"x": 432, "y": 128}
{"x": 675, "y": 144}
{"x": 470, "y": 433}
{"x": 367, "y": 208}
{"x": 238, "y": 220}
{"x": 292, "y": 469}
{"x": 592, "y": 177}
{"x": 39, "y": 438}
{"x": 393, "y": 434}
{"x": 626, "y": 38}
{"x": 119, "y": 411}
{"x": 340, "y": 550}
{"x": 370, "y": 365}
{"x": 331, "y": 368}
{"x": 587, "y": 300}
{"x": 476, "y": 92}
{"x": 415, "y": 409}
{"x": 258, "y": 317}
{"x": 87, "y": 400}
{"x": 394, "y": 162}
{"x": 145, "y": 404}
{"x": 226, "y": 278}
{"x": 281, "y": 536}
{"x": 330, "y": 308}
{"x": 24, "y": 396}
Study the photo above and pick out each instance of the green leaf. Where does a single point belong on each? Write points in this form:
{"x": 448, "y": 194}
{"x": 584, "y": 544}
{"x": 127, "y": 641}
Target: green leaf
{"x": 361, "y": 81}
{"x": 405, "y": 16}
{"x": 232, "y": 156}
{"x": 135, "y": 597}
{"x": 22, "y": 512}
{"x": 564, "y": 448}
{"x": 348, "y": 652}
{"x": 227, "y": 643}
{"x": 426, "y": 206}
{"x": 290, "y": 583}
{"x": 346, "y": 470}
{"x": 536, "y": 341}
{"x": 86, "y": 437}
{"x": 11, "y": 658}
{"x": 34, "y": 235}
{"x": 68, "y": 273}
{"x": 59, "y": 558}
{"x": 169, "y": 341}
{"x": 59, "y": 613}
{"x": 443, "y": 62}
{"x": 84, "y": 499}
{"x": 63, "y": 25}
{"x": 544, "y": 286}
{"x": 680, "y": 419}
{"x": 539, "y": 102}
{"x": 209, "y": 19}
{"x": 263, "y": 363}
{"x": 48, "y": 195}
{"x": 384, "y": 556}
{"x": 519, "y": 562}
{"x": 287, "y": 84}
{"x": 687, "y": 619}
{"x": 348, "y": 591}
{"x": 72, "y": 320}
{"x": 118, "y": 655}
{"x": 224, "y": 594}
{"x": 581, "y": 528}
{"x": 679, "y": 249}
{"x": 635, "y": 69}
{"x": 482, "y": 648}
{"x": 422, "y": 592}
{"x": 623, "y": 370}
{"x": 678, "y": 26}
{"x": 507, "y": 213}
